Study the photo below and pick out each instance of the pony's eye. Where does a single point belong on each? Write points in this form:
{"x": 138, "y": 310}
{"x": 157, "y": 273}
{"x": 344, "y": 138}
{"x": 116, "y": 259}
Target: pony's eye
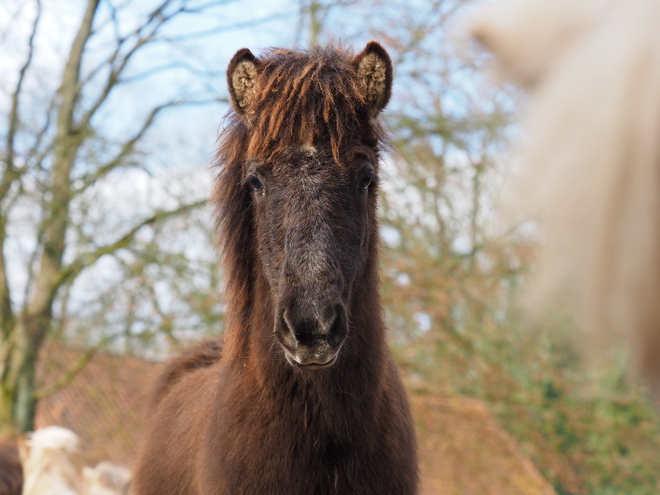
{"x": 255, "y": 183}
{"x": 366, "y": 181}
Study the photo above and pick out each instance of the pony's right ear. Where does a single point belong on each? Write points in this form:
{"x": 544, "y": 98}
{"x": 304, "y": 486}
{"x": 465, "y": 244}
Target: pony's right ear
{"x": 242, "y": 76}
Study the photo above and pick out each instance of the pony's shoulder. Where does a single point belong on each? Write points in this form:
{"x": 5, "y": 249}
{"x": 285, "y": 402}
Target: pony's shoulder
{"x": 200, "y": 356}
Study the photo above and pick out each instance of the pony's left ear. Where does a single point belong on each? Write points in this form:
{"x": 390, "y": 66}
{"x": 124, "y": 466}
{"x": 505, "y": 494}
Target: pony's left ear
{"x": 374, "y": 71}
{"x": 242, "y": 75}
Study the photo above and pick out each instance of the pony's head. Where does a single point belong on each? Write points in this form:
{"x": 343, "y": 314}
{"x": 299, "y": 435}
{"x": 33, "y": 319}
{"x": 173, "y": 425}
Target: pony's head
{"x": 307, "y": 175}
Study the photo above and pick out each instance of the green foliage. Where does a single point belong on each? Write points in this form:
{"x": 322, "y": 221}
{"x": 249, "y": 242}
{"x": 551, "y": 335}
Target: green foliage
{"x": 588, "y": 432}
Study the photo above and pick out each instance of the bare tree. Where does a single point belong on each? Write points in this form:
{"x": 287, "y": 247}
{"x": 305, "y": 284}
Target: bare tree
{"x": 55, "y": 158}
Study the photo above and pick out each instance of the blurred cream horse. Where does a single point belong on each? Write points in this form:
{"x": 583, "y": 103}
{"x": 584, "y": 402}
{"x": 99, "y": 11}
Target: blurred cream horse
{"x": 106, "y": 479}
{"x": 48, "y": 467}
{"x": 590, "y": 153}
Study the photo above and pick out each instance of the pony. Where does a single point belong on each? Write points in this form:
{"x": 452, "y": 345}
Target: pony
{"x": 47, "y": 457}
{"x": 302, "y": 394}
{"x": 106, "y": 479}
{"x": 590, "y": 158}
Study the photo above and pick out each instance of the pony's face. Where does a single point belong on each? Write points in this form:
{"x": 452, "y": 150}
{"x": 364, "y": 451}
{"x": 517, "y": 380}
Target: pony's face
{"x": 310, "y": 172}
{"x": 313, "y": 221}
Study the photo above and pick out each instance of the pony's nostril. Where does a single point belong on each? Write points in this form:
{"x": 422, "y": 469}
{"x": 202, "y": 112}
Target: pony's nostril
{"x": 329, "y": 317}
{"x": 304, "y": 331}
{"x": 307, "y": 328}
{"x": 334, "y": 335}
{"x": 286, "y": 330}
{"x": 307, "y": 339}
{"x": 338, "y": 328}
{"x": 308, "y": 332}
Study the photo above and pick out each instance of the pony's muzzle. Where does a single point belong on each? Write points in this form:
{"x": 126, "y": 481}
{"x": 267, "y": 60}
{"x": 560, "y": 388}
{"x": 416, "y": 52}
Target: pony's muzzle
{"x": 311, "y": 338}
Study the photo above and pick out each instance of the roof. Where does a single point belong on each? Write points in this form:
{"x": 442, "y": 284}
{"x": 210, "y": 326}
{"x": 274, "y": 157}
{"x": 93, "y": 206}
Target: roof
{"x": 106, "y": 403}
{"x": 462, "y": 448}
{"x": 463, "y": 451}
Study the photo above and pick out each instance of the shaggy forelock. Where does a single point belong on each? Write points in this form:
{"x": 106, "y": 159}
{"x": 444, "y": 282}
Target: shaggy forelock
{"x": 303, "y": 95}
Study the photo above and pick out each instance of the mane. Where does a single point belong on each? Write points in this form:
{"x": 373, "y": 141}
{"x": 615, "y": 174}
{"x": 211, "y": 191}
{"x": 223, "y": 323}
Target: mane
{"x": 302, "y": 97}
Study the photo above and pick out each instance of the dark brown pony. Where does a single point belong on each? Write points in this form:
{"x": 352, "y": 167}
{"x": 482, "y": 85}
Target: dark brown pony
{"x": 302, "y": 396}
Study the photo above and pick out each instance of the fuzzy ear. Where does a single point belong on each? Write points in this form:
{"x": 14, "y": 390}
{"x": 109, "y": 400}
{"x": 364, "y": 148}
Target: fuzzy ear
{"x": 242, "y": 75}
{"x": 374, "y": 70}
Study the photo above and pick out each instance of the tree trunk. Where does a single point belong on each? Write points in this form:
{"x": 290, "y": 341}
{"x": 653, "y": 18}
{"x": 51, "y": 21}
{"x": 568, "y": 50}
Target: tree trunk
{"x": 20, "y": 346}
{"x": 25, "y": 401}
{"x": 6, "y": 410}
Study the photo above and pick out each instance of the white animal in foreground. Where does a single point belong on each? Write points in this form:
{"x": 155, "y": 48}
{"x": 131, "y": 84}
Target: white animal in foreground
{"x": 106, "y": 479}
{"x": 590, "y": 156}
{"x": 48, "y": 468}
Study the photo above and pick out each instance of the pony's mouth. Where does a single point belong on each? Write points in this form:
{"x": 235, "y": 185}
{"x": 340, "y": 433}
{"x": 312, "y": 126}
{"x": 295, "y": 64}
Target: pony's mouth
{"x": 314, "y": 361}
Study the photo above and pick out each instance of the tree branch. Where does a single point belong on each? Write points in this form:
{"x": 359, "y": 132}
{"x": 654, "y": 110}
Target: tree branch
{"x": 145, "y": 34}
{"x": 163, "y": 68}
{"x": 129, "y": 146}
{"x": 206, "y": 6}
{"x": 111, "y": 81}
{"x": 222, "y": 29}
{"x": 67, "y": 143}
{"x": 70, "y": 79}
{"x": 67, "y": 377}
{"x": 88, "y": 259}
{"x": 72, "y": 372}
{"x": 7, "y": 317}
{"x": 11, "y": 173}
{"x": 36, "y": 154}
